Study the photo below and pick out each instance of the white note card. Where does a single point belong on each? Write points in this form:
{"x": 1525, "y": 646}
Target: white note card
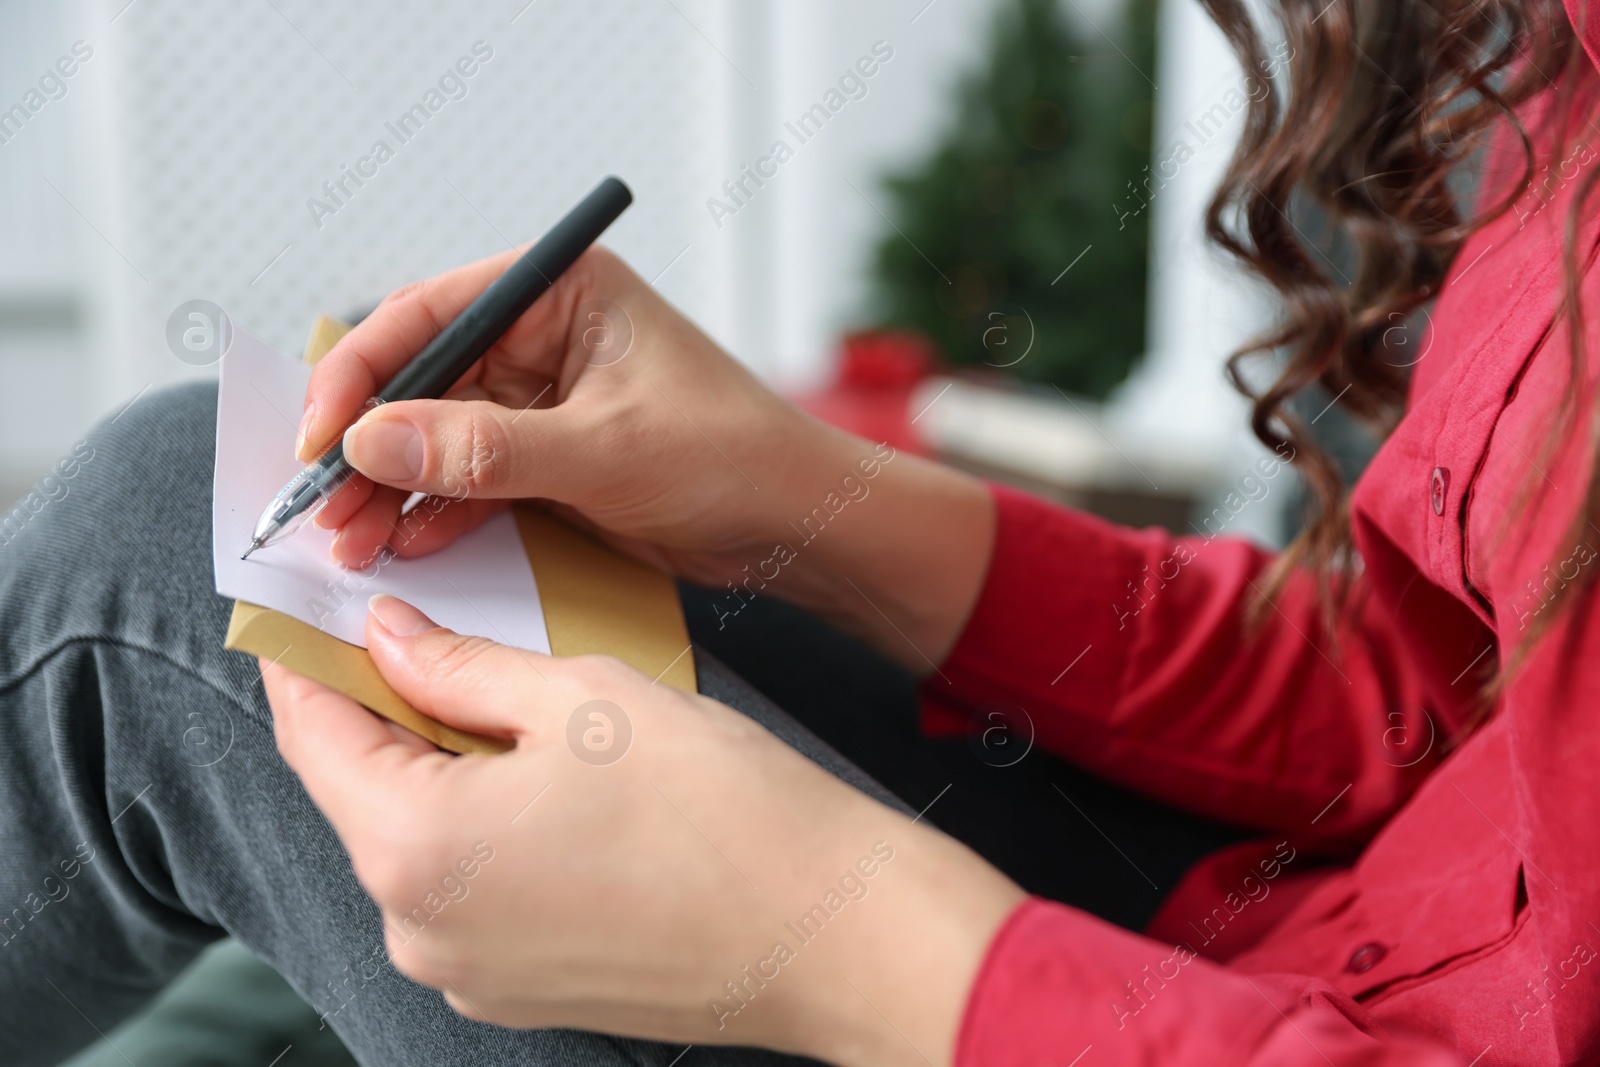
{"x": 480, "y": 585}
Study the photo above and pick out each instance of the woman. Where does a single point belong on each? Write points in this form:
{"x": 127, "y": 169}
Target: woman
{"x": 1403, "y": 703}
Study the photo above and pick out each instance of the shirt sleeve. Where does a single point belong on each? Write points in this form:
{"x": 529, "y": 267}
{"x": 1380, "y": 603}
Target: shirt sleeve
{"x": 1058, "y": 984}
{"x": 1129, "y": 653}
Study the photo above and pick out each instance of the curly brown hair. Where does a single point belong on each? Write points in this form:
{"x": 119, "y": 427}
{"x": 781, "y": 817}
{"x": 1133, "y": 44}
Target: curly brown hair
{"x": 1387, "y": 103}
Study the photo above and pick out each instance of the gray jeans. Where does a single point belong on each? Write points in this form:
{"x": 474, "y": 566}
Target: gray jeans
{"x": 144, "y": 810}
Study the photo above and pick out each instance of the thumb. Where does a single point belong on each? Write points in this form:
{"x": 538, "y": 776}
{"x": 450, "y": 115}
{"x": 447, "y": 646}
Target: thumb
{"x": 470, "y": 683}
{"x": 460, "y": 448}
{"x": 347, "y": 758}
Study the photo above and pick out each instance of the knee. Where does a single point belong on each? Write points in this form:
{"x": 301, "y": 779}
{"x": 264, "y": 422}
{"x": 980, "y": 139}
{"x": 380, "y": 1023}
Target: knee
{"x": 116, "y": 541}
{"x": 145, "y": 469}
{"x": 165, "y": 431}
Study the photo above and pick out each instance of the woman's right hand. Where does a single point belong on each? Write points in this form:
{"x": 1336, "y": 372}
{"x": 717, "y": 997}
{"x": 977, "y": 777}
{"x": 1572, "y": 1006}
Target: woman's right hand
{"x": 600, "y": 397}
{"x": 606, "y": 401}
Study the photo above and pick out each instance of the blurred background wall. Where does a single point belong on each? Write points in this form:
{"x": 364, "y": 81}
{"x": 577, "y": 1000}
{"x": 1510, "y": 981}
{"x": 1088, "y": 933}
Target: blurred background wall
{"x": 186, "y": 158}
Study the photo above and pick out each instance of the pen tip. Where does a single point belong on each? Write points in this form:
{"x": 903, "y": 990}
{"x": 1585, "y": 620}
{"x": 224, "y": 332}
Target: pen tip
{"x": 253, "y": 546}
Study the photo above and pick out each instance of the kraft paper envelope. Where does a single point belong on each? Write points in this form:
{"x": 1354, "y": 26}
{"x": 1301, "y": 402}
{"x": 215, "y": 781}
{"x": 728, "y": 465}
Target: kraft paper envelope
{"x": 595, "y": 601}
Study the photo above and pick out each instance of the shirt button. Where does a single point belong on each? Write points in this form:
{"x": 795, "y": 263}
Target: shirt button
{"x": 1437, "y": 487}
{"x": 1366, "y": 957}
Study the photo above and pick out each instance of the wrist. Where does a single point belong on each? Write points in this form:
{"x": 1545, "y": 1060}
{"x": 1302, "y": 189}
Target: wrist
{"x": 902, "y": 559}
{"x": 896, "y": 992}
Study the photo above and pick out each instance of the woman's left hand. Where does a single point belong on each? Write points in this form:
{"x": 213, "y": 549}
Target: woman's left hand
{"x": 642, "y": 862}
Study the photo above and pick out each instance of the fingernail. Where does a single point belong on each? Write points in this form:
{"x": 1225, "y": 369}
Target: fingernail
{"x": 305, "y": 427}
{"x": 398, "y": 617}
{"x": 388, "y": 451}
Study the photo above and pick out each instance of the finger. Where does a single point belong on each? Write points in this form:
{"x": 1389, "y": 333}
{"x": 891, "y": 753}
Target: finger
{"x": 436, "y": 522}
{"x": 462, "y": 1006}
{"x": 474, "y": 448}
{"x": 345, "y": 503}
{"x": 529, "y": 355}
{"x": 410, "y": 739}
{"x": 470, "y": 683}
{"x": 365, "y": 533}
{"x": 368, "y": 356}
{"x": 345, "y": 755}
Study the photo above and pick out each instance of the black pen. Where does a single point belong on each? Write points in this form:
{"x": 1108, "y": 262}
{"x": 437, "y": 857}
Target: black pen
{"x": 459, "y": 345}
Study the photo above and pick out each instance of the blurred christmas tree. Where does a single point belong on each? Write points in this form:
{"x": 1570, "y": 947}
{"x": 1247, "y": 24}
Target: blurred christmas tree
{"x": 1033, "y": 179}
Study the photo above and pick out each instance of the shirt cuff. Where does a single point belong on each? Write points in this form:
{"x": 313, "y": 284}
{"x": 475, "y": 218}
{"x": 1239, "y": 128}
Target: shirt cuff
{"x": 1054, "y": 615}
{"x": 1049, "y": 987}
{"x": 1057, "y": 982}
